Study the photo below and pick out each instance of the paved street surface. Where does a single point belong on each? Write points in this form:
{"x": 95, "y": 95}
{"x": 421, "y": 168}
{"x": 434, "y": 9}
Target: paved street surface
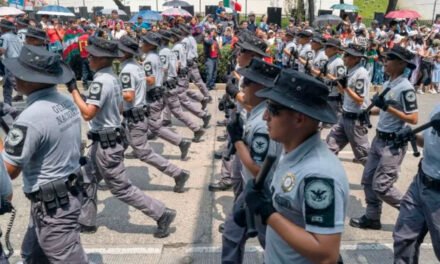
{"x": 125, "y": 235}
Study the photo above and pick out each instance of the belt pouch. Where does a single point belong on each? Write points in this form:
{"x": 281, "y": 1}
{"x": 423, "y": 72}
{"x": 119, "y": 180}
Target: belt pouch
{"x": 61, "y": 192}
{"x": 48, "y": 196}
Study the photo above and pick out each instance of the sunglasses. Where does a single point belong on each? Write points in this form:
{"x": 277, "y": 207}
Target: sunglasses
{"x": 391, "y": 57}
{"x": 274, "y": 109}
{"x": 246, "y": 82}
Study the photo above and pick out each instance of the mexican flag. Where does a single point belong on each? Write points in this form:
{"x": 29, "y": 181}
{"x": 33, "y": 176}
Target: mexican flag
{"x": 70, "y": 44}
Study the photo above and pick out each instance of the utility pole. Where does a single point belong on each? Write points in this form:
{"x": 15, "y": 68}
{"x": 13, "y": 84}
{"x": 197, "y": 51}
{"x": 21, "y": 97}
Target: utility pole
{"x": 433, "y": 11}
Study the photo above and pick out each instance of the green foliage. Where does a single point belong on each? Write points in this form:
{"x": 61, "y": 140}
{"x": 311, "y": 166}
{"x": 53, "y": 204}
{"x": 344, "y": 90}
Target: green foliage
{"x": 222, "y": 65}
{"x": 368, "y": 7}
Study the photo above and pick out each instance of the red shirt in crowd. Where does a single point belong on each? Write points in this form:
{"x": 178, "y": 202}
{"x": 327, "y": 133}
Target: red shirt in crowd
{"x": 112, "y": 22}
{"x": 82, "y": 42}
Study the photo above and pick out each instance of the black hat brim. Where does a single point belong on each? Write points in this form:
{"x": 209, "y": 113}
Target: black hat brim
{"x": 255, "y": 77}
{"x": 354, "y": 53}
{"x": 250, "y": 47}
{"x": 326, "y": 44}
{"x": 303, "y": 35}
{"x": 411, "y": 64}
{"x": 149, "y": 41}
{"x": 97, "y": 52}
{"x": 325, "y": 113}
{"x": 124, "y": 48}
{"x": 35, "y": 36}
{"x": 317, "y": 40}
{"x": 5, "y": 26}
{"x": 28, "y": 74}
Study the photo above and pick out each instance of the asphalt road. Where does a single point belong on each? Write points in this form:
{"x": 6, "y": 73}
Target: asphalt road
{"x": 125, "y": 234}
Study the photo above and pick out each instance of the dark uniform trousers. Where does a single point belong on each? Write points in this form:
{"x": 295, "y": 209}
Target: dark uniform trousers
{"x": 380, "y": 173}
{"x": 346, "y": 131}
{"x": 196, "y": 78}
{"x": 108, "y": 164}
{"x": 54, "y": 236}
{"x": 336, "y": 105}
{"x": 137, "y": 138}
{"x": 9, "y": 85}
{"x": 155, "y": 123}
{"x": 172, "y": 101}
{"x": 419, "y": 213}
{"x": 182, "y": 87}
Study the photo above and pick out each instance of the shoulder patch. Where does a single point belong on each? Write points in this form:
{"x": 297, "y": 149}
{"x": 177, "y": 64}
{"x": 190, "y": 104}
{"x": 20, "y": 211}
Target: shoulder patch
{"x": 259, "y": 146}
{"x": 163, "y": 59}
{"x": 322, "y": 63}
{"x": 15, "y": 140}
{"x": 340, "y": 71}
{"x": 309, "y": 55}
{"x": 409, "y": 100}
{"x": 359, "y": 86}
{"x": 176, "y": 52}
{"x": 319, "y": 198}
{"x": 95, "y": 90}
{"x": 148, "y": 68}
{"x": 1, "y": 42}
{"x": 126, "y": 80}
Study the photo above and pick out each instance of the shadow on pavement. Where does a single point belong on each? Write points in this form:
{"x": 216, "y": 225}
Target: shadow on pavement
{"x": 366, "y": 253}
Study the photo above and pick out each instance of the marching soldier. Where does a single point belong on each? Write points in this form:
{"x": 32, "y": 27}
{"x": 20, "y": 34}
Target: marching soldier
{"x": 332, "y": 70}
{"x": 289, "y": 50}
{"x": 135, "y": 112}
{"x": 35, "y": 36}
{"x": 351, "y": 125}
{"x": 305, "y": 53}
{"x": 320, "y": 58}
{"x": 106, "y": 155}
{"x": 252, "y": 145}
{"x": 306, "y": 208}
{"x": 47, "y": 153}
{"x": 398, "y": 107}
{"x": 419, "y": 211}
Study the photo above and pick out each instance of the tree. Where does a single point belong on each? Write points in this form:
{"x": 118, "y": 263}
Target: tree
{"x": 311, "y": 11}
{"x": 299, "y": 16}
{"x": 392, "y": 5}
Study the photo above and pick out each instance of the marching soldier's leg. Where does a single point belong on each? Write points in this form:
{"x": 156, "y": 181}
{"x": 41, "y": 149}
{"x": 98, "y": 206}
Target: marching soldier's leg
{"x": 31, "y": 251}
{"x": 155, "y": 124}
{"x": 358, "y": 137}
{"x": 337, "y": 139}
{"x": 174, "y": 107}
{"x": 196, "y": 78}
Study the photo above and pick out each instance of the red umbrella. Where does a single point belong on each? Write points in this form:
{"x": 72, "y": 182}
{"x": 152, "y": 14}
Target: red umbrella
{"x": 403, "y": 14}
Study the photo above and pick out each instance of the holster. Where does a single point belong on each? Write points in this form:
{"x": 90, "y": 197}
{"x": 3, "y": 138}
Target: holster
{"x": 170, "y": 84}
{"x": 136, "y": 114}
{"x": 155, "y": 94}
{"x": 183, "y": 72}
{"x": 190, "y": 63}
{"x": 108, "y": 137}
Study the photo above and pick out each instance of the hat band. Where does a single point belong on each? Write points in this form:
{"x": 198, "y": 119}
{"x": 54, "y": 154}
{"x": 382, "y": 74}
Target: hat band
{"x": 113, "y": 52}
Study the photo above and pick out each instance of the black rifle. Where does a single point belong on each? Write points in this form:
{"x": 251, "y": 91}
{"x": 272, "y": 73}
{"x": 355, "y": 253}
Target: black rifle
{"x": 259, "y": 185}
{"x": 307, "y": 69}
{"x": 231, "y": 148}
{"x": 365, "y": 115}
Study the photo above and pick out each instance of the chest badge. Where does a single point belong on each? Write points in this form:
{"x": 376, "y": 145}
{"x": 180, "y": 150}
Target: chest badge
{"x": 288, "y": 182}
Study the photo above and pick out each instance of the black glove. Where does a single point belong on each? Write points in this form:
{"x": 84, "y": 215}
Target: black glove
{"x": 258, "y": 202}
{"x": 380, "y": 102}
{"x": 235, "y": 131}
{"x": 435, "y": 121}
{"x": 5, "y": 207}
{"x": 403, "y": 136}
{"x": 71, "y": 85}
{"x": 239, "y": 214}
{"x": 231, "y": 88}
{"x": 343, "y": 82}
{"x": 324, "y": 69}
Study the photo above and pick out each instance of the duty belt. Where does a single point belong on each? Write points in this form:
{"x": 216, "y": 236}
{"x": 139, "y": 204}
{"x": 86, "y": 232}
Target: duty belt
{"x": 171, "y": 83}
{"x": 385, "y": 135}
{"x": 351, "y": 115}
{"x": 429, "y": 181}
{"x": 136, "y": 114}
{"x": 108, "y": 137}
{"x": 54, "y": 194}
{"x": 155, "y": 94}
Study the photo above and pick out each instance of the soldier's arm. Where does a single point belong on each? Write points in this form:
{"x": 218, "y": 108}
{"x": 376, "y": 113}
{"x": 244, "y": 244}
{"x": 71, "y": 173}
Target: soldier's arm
{"x": 128, "y": 96}
{"x": 245, "y": 158}
{"x": 88, "y": 111}
{"x": 316, "y": 247}
{"x": 409, "y": 112}
{"x": 411, "y": 118}
{"x": 151, "y": 80}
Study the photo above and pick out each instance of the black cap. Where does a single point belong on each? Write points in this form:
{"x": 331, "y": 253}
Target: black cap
{"x": 260, "y": 72}
{"x": 355, "y": 50}
{"x": 253, "y": 43}
{"x": 333, "y": 43}
{"x": 99, "y": 47}
{"x": 402, "y": 54}
{"x": 303, "y": 93}
{"x": 290, "y": 33}
{"x": 176, "y": 32}
{"x": 318, "y": 38}
{"x": 22, "y": 21}
{"x": 152, "y": 38}
{"x": 305, "y": 34}
{"x": 129, "y": 45}
{"x": 6, "y": 24}
{"x": 184, "y": 29}
{"x": 37, "y": 33}
{"x": 165, "y": 35}
{"x": 38, "y": 65}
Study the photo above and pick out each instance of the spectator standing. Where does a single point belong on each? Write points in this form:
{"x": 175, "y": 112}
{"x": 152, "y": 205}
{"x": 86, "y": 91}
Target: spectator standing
{"x": 212, "y": 53}
{"x": 252, "y": 25}
{"x": 263, "y": 24}
{"x": 436, "y": 73}
{"x": 118, "y": 32}
{"x": 358, "y": 24}
{"x": 55, "y": 32}
{"x": 111, "y": 23}
{"x": 71, "y": 47}
{"x": 219, "y": 10}
{"x": 84, "y": 54}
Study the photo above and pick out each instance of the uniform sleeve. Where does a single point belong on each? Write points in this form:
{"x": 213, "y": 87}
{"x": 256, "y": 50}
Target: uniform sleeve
{"x": 22, "y": 142}
{"x": 408, "y": 99}
{"x": 97, "y": 94}
{"x": 164, "y": 60}
{"x": 127, "y": 80}
{"x": 157, "y": 71}
{"x": 323, "y": 205}
{"x": 148, "y": 68}
{"x": 361, "y": 85}
{"x": 4, "y": 42}
{"x": 339, "y": 69}
{"x": 5, "y": 181}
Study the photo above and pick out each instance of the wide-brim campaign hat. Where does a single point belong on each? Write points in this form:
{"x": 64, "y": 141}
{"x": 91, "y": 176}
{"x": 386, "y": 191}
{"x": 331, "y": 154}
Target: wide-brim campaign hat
{"x": 37, "y": 33}
{"x": 260, "y": 72}
{"x": 318, "y": 38}
{"x": 176, "y": 33}
{"x": 99, "y": 47}
{"x": 253, "y": 43}
{"x": 166, "y": 35}
{"x": 22, "y": 21}
{"x": 185, "y": 29}
{"x": 355, "y": 50}
{"x": 332, "y": 42}
{"x": 152, "y": 38}
{"x": 129, "y": 45}
{"x": 6, "y": 24}
{"x": 38, "y": 65}
{"x": 303, "y": 93}
{"x": 402, "y": 54}
{"x": 305, "y": 34}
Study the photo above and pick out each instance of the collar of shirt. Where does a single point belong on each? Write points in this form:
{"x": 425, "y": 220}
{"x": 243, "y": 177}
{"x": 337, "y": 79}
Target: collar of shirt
{"x": 332, "y": 58}
{"x": 396, "y": 81}
{"x": 351, "y": 71}
{"x": 257, "y": 110}
{"x": 34, "y": 96}
{"x": 108, "y": 69}
{"x": 296, "y": 155}
{"x": 129, "y": 61}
